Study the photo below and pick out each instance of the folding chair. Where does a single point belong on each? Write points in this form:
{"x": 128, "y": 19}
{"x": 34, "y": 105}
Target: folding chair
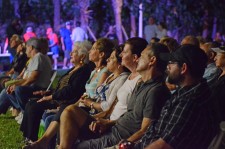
{"x": 219, "y": 141}
{"x": 54, "y": 73}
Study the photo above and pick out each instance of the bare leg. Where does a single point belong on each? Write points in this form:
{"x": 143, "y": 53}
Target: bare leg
{"x": 65, "y": 62}
{"x": 55, "y": 61}
{"x": 43, "y": 142}
{"x": 71, "y": 120}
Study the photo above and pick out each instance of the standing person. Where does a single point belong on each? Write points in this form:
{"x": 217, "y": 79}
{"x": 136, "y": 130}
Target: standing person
{"x": 187, "y": 120}
{"x": 162, "y": 31}
{"x": 78, "y": 33}
{"x": 150, "y": 30}
{"x": 29, "y": 34}
{"x": 66, "y": 43}
{"x": 53, "y": 45}
{"x": 111, "y": 34}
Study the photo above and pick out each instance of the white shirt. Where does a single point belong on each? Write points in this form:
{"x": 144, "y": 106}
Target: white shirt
{"x": 78, "y": 34}
{"x": 150, "y": 32}
{"x": 123, "y": 96}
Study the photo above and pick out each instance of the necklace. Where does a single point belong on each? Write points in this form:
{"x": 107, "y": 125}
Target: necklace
{"x": 99, "y": 69}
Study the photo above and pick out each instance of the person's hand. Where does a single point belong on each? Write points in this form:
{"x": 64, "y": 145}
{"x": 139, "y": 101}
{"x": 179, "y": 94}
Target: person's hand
{"x": 45, "y": 98}
{"x": 100, "y": 125}
{"x": 10, "y": 89}
{"x": 42, "y": 93}
{"x": 86, "y": 101}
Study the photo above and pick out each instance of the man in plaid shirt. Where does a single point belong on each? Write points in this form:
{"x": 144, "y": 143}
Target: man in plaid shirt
{"x": 187, "y": 119}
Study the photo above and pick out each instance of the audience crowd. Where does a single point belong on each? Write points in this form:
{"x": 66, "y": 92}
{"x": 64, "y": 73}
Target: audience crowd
{"x": 147, "y": 93}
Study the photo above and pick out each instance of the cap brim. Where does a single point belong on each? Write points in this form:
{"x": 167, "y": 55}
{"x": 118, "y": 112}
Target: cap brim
{"x": 218, "y": 50}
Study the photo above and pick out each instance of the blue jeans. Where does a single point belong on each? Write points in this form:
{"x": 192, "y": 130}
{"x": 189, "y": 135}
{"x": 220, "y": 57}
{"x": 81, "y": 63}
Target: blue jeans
{"x": 7, "y": 100}
{"x": 48, "y": 117}
{"x": 24, "y": 93}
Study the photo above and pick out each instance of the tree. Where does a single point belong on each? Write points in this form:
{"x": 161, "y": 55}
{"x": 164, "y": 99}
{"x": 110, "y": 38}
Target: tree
{"x": 117, "y": 7}
{"x": 56, "y": 4}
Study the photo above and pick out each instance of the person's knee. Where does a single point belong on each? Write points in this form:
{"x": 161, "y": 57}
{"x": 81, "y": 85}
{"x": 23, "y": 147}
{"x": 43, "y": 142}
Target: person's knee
{"x": 19, "y": 90}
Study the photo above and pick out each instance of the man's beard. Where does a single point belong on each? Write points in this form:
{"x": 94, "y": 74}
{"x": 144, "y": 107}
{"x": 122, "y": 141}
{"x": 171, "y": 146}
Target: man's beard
{"x": 175, "y": 79}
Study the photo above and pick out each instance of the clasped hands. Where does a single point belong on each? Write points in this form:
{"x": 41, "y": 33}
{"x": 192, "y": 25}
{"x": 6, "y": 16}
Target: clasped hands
{"x": 10, "y": 89}
{"x": 99, "y": 126}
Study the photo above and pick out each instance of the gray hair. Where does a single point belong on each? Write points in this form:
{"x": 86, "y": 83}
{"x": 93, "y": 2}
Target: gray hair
{"x": 35, "y": 43}
{"x": 84, "y": 47}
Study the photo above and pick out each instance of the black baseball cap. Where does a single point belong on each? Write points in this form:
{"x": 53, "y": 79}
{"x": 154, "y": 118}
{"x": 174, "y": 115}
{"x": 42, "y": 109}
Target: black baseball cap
{"x": 192, "y": 55}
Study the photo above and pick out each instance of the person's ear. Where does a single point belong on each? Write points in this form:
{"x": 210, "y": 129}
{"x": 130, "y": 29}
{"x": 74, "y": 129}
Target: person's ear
{"x": 101, "y": 54}
{"x": 152, "y": 61}
{"x": 212, "y": 55}
{"x": 184, "y": 68}
{"x": 135, "y": 57}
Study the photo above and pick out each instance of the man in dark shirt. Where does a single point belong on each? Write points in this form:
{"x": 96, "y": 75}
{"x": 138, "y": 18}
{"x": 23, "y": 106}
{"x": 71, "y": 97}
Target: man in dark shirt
{"x": 144, "y": 106}
{"x": 187, "y": 119}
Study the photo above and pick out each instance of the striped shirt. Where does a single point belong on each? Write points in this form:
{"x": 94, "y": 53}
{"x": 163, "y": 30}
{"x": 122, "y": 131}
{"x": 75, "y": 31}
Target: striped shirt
{"x": 186, "y": 121}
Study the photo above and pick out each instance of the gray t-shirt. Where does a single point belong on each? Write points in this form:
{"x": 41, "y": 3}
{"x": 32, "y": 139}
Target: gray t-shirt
{"x": 147, "y": 100}
{"x": 42, "y": 64}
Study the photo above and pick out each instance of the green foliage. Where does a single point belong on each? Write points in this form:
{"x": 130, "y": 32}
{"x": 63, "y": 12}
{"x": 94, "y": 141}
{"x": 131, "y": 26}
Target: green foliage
{"x": 102, "y": 16}
{"x": 191, "y": 14}
{"x": 38, "y": 11}
{"x": 7, "y": 11}
{"x": 10, "y": 136}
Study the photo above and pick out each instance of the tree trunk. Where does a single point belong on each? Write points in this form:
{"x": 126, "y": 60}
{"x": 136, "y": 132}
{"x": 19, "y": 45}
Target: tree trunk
{"x": 133, "y": 26}
{"x": 16, "y": 7}
{"x": 117, "y": 7}
{"x": 84, "y": 13}
{"x": 56, "y": 4}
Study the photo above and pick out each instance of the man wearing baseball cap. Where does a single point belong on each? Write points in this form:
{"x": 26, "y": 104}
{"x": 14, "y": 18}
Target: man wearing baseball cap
{"x": 66, "y": 41}
{"x": 187, "y": 119}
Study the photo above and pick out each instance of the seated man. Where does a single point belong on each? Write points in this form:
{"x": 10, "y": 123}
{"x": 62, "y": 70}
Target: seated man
{"x": 36, "y": 77}
{"x": 211, "y": 72}
{"x": 143, "y": 108}
{"x": 187, "y": 119}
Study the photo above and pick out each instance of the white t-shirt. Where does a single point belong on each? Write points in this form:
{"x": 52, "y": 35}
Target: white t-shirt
{"x": 123, "y": 96}
{"x": 42, "y": 64}
{"x": 161, "y": 34}
{"x": 78, "y": 34}
{"x": 150, "y": 31}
